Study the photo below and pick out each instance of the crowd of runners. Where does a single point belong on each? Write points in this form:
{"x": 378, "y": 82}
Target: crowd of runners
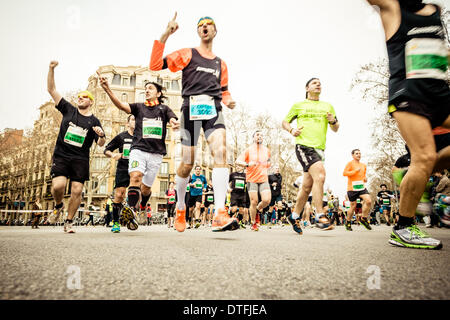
{"x": 419, "y": 101}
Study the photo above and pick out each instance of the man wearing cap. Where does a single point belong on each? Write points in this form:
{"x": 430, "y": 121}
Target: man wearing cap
{"x": 205, "y": 87}
{"x": 79, "y": 128}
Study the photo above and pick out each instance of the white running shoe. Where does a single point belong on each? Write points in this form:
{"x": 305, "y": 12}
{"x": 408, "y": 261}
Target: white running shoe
{"x": 68, "y": 227}
{"x": 54, "y": 216}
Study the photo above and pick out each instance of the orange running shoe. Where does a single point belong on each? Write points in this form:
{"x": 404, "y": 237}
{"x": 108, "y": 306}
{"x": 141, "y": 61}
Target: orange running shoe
{"x": 180, "y": 220}
{"x": 223, "y": 222}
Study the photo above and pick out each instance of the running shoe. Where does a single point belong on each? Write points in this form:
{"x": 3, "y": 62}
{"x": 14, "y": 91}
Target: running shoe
{"x": 348, "y": 226}
{"x": 180, "y": 220}
{"x": 296, "y": 224}
{"x": 68, "y": 227}
{"x": 242, "y": 225}
{"x": 127, "y": 214}
{"x": 254, "y": 227}
{"x": 115, "y": 228}
{"x": 365, "y": 223}
{"x": 54, "y": 216}
{"x": 413, "y": 237}
{"x": 197, "y": 225}
{"x": 223, "y": 222}
{"x": 322, "y": 222}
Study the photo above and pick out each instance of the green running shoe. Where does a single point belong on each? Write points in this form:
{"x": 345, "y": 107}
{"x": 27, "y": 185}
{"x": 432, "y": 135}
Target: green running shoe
{"x": 115, "y": 228}
{"x": 413, "y": 237}
{"x": 365, "y": 223}
{"x": 348, "y": 226}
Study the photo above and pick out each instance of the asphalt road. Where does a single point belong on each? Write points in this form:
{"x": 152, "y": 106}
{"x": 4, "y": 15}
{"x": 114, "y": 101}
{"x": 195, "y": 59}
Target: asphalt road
{"x": 157, "y": 263}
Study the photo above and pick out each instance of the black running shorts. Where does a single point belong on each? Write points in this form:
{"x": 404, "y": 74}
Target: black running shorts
{"x": 190, "y": 130}
{"x": 354, "y": 195}
{"x": 307, "y": 156}
{"x": 122, "y": 179}
{"x": 193, "y": 200}
{"x": 74, "y": 169}
{"x": 238, "y": 199}
{"x": 436, "y": 114}
{"x": 442, "y": 141}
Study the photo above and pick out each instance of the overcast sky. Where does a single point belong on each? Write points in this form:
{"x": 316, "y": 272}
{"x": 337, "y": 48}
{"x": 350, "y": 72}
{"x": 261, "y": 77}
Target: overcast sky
{"x": 271, "y": 48}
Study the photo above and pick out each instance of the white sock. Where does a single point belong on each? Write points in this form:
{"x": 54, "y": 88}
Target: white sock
{"x": 295, "y": 215}
{"x": 220, "y": 178}
{"x": 181, "y": 184}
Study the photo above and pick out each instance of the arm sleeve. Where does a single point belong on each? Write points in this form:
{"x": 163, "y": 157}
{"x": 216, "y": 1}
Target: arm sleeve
{"x": 63, "y": 106}
{"x": 175, "y": 61}
{"x": 113, "y": 144}
{"x": 134, "y": 109}
{"x": 347, "y": 170}
{"x": 291, "y": 115}
{"x": 332, "y": 111}
{"x": 226, "y": 96}
{"x": 170, "y": 114}
{"x": 246, "y": 156}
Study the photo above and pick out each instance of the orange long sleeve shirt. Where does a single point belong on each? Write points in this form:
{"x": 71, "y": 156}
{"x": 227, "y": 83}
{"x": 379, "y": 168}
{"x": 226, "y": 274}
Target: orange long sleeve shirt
{"x": 178, "y": 60}
{"x": 355, "y": 178}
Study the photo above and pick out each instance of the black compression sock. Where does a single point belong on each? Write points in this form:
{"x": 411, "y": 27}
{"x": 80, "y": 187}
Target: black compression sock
{"x": 145, "y": 199}
{"x": 58, "y": 206}
{"x": 116, "y": 211}
{"x": 134, "y": 193}
{"x": 404, "y": 222}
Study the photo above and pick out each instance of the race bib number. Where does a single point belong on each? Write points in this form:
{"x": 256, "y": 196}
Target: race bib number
{"x": 240, "y": 184}
{"x": 198, "y": 184}
{"x": 386, "y": 201}
{"x": 188, "y": 188}
{"x": 358, "y": 200}
{"x": 152, "y": 128}
{"x": 210, "y": 198}
{"x": 426, "y": 58}
{"x": 358, "y": 185}
{"x": 202, "y": 107}
{"x": 171, "y": 199}
{"x": 75, "y": 135}
{"x": 126, "y": 151}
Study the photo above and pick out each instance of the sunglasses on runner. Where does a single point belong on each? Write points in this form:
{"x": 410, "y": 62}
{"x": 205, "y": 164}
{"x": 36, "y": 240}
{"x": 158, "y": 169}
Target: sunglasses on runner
{"x": 205, "y": 20}
{"x": 85, "y": 97}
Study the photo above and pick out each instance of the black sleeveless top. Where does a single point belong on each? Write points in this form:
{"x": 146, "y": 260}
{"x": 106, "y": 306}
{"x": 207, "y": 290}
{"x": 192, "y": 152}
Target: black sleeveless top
{"x": 202, "y": 76}
{"x": 418, "y": 60}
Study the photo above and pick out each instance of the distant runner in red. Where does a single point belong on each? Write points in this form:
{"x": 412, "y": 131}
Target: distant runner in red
{"x": 205, "y": 87}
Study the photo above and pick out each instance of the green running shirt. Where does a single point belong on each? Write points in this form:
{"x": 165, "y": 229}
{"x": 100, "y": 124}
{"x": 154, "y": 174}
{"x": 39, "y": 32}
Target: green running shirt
{"x": 312, "y": 115}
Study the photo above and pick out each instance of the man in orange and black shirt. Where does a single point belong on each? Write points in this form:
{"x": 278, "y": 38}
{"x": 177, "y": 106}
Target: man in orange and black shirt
{"x": 205, "y": 86}
{"x": 355, "y": 171}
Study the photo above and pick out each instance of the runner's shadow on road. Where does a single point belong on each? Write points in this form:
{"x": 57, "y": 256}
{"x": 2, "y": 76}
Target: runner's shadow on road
{"x": 224, "y": 239}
